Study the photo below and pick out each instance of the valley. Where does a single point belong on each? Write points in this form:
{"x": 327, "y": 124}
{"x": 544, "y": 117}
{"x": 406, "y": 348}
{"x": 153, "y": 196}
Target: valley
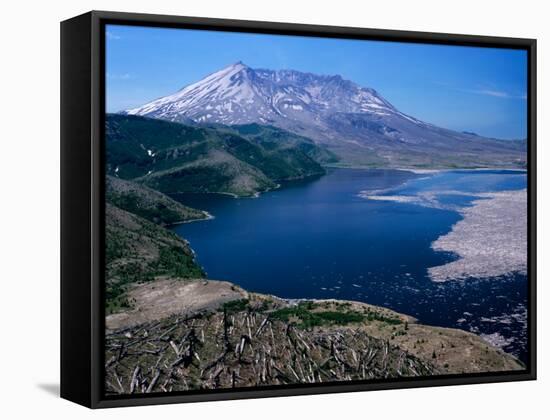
{"x": 311, "y": 281}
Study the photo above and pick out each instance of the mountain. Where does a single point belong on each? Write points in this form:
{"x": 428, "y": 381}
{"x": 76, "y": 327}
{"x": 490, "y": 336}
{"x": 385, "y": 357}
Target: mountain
{"x": 355, "y": 122}
{"x": 241, "y": 95}
{"x": 172, "y": 157}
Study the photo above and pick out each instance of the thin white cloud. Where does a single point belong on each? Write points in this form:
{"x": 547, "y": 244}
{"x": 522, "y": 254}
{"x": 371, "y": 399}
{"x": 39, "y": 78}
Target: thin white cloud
{"x": 111, "y": 35}
{"x": 114, "y": 76}
{"x": 489, "y": 92}
{"x": 496, "y": 93}
{"x": 485, "y": 91}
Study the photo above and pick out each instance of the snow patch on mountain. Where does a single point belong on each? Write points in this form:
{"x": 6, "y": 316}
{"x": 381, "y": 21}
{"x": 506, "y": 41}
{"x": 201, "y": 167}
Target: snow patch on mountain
{"x": 238, "y": 94}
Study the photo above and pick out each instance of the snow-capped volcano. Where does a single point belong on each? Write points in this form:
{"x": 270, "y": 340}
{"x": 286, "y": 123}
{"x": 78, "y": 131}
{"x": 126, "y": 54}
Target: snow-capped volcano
{"x": 326, "y": 108}
{"x": 218, "y": 94}
{"x": 239, "y": 94}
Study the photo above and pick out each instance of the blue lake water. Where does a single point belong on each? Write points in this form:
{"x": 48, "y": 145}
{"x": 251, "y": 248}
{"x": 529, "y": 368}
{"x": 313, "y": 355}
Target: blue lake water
{"x": 320, "y": 239}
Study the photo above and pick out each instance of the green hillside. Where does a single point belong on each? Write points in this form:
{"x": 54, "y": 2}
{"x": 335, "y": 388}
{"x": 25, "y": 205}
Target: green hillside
{"x": 148, "y": 203}
{"x": 272, "y": 138}
{"x": 137, "y": 251}
{"x": 172, "y": 157}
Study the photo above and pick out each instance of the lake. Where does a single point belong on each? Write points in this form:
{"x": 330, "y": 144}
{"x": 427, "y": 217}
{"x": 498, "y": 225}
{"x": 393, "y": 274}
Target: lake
{"x": 320, "y": 238}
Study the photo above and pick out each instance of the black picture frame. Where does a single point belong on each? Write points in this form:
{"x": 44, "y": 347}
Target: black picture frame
{"x": 82, "y": 205}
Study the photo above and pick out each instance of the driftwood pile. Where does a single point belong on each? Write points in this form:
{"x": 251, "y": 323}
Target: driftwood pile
{"x": 242, "y": 349}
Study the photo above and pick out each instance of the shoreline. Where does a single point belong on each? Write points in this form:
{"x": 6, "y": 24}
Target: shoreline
{"x": 429, "y": 170}
{"x": 256, "y": 194}
{"x": 207, "y": 215}
{"x": 438, "y": 170}
{"x": 418, "y": 171}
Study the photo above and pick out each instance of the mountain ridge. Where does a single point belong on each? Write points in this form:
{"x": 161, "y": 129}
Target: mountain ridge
{"x": 355, "y": 122}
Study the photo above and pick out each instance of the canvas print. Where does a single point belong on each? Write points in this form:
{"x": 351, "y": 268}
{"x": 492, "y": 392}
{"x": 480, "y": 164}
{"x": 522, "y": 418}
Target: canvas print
{"x": 284, "y": 210}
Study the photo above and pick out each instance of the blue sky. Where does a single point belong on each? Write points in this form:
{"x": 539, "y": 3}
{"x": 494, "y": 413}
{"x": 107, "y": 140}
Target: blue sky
{"x": 463, "y": 88}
